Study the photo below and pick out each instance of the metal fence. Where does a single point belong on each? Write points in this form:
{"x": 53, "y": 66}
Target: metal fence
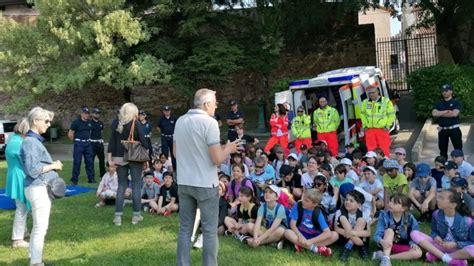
{"x": 398, "y": 56}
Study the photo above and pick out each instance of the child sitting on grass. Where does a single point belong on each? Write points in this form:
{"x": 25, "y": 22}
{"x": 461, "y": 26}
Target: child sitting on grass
{"x": 309, "y": 228}
{"x": 158, "y": 172}
{"x": 107, "y": 190}
{"x": 168, "y": 200}
{"x": 373, "y": 186}
{"x": 351, "y": 225}
{"x": 246, "y": 213}
{"x": 392, "y": 233}
{"x": 150, "y": 191}
{"x": 273, "y": 215}
{"x": 452, "y": 235}
{"x": 340, "y": 177}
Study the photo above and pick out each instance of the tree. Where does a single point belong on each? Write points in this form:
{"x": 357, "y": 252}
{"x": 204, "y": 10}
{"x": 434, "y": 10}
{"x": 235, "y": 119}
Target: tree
{"x": 454, "y": 21}
{"x": 73, "y": 44}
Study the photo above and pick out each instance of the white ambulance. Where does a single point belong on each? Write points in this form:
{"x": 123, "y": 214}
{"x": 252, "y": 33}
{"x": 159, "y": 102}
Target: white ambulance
{"x": 344, "y": 89}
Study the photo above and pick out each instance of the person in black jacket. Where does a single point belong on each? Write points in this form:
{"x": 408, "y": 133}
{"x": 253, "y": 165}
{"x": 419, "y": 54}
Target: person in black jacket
{"x": 128, "y": 114}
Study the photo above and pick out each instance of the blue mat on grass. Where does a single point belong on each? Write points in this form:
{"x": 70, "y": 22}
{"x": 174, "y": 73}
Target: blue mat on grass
{"x": 9, "y": 204}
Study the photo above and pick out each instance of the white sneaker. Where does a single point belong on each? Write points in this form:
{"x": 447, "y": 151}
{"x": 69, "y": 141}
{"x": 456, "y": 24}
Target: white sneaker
{"x": 280, "y": 244}
{"x": 136, "y": 219}
{"x": 20, "y": 244}
{"x": 198, "y": 243}
{"x": 118, "y": 220}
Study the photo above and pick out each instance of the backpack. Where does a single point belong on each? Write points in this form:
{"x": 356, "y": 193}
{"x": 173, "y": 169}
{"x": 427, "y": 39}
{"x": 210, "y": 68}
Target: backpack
{"x": 256, "y": 189}
{"x": 268, "y": 224}
{"x": 315, "y": 218}
{"x": 345, "y": 213}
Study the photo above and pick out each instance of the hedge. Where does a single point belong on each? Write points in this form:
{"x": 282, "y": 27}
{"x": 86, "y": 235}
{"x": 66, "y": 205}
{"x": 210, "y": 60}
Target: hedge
{"x": 425, "y": 84}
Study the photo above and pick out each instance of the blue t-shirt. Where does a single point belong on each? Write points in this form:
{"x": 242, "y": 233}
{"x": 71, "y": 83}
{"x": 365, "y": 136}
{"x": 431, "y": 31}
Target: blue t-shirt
{"x": 272, "y": 214}
{"x": 307, "y": 228}
{"x": 448, "y": 105}
{"x": 82, "y": 129}
{"x": 261, "y": 179}
{"x": 147, "y": 129}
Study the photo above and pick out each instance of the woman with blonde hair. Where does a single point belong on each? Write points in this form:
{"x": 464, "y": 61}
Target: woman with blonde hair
{"x": 15, "y": 183}
{"x": 39, "y": 168}
{"x": 128, "y": 114}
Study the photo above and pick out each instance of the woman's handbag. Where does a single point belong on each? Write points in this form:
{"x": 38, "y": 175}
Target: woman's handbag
{"x": 56, "y": 188}
{"x": 134, "y": 151}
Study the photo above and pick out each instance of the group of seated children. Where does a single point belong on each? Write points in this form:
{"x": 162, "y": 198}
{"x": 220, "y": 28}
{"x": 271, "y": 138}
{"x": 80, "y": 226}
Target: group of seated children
{"x": 313, "y": 200}
{"x": 159, "y": 191}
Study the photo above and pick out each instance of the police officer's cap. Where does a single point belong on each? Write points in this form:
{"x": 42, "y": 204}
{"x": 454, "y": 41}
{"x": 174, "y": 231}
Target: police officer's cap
{"x": 96, "y": 110}
{"x": 233, "y": 102}
{"x": 85, "y": 109}
{"x": 447, "y": 87}
{"x": 142, "y": 112}
{"x": 166, "y": 107}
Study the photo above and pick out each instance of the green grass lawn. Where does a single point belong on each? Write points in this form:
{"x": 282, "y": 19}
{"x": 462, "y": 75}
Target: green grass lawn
{"x": 81, "y": 234}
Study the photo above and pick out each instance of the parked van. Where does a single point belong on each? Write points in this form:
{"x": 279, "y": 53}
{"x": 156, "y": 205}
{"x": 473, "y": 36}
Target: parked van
{"x": 6, "y": 130}
{"x": 344, "y": 89}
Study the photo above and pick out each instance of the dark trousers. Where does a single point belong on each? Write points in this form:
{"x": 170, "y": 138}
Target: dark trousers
{"x": 443, "y": 140}
{"x": 167, "y": 145}
{"x": 82, "y": 149}
{"x": 98, "y": 150}
{"x": 135, "y": 171}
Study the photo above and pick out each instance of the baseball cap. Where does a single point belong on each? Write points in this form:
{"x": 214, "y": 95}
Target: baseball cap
{"x": 166, "y": 108}
{"x": 370, "y": 154}
{"x": 274, "y": 189}
{"x": 369, "y": 168}
{"x": 285, "y": 170}
{"x": 423, "y": 169}
{"x": 233, "y": 102}
{"x": 150, "y": 173}
{"x": 96, "y": 110}
{"x": 85, "y": 109}
{"x": 346, "y": 187}
{"x": 401, "y": 150}
{"x": 390, "y": 164}
{"x": 142, "y": 112}
{"x": 319, "y": 142}
{"x": 346, "y": 161}
{"x": 446, "y": 87}
{"x": 293, "y": 155}
{"x": 303, "y": 147}
{"x": 457, "y": 153}
{"x": 326, "y": 166}
{"x": 458, "y": 181}
{"x": 449, "y": 165}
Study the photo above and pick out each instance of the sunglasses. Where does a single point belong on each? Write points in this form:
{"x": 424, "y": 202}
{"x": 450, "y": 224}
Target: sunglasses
{"x": 47, "y": 121}
{"x": 258, "y": 167}
{"x": 319, "y": 184}
{"x": 300, "y": 111}
{"x": 424, "y": 176}
{"x": 399, "y": 153}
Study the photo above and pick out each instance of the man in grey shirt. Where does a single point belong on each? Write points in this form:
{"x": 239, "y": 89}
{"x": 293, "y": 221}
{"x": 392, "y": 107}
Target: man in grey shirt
{"x": 198, "y": 153}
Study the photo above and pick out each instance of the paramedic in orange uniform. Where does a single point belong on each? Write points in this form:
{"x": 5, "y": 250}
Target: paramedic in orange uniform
{"x": 377, "y": 115}
{"x": 279, "y": 129}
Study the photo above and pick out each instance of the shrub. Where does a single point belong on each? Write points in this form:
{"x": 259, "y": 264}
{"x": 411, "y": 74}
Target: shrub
{"x": 425, "y": 84}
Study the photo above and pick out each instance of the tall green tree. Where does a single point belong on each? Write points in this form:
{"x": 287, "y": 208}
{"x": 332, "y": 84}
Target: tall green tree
{"x": 73, "y": 44}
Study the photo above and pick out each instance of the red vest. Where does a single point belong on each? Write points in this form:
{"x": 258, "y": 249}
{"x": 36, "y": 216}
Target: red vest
{"x": 282, "y": 121}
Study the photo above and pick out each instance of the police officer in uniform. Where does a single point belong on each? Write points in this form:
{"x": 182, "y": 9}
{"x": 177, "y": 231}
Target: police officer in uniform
{"x": 96, "y": 139}
{"x": 377, "y": 115}
{"x": 234, "y": 117}
{"x": 166, "y": 127}
{"x": 446, "y": 112}
{"x": 80, "y": 133}
{"x": 142, "y": 117}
